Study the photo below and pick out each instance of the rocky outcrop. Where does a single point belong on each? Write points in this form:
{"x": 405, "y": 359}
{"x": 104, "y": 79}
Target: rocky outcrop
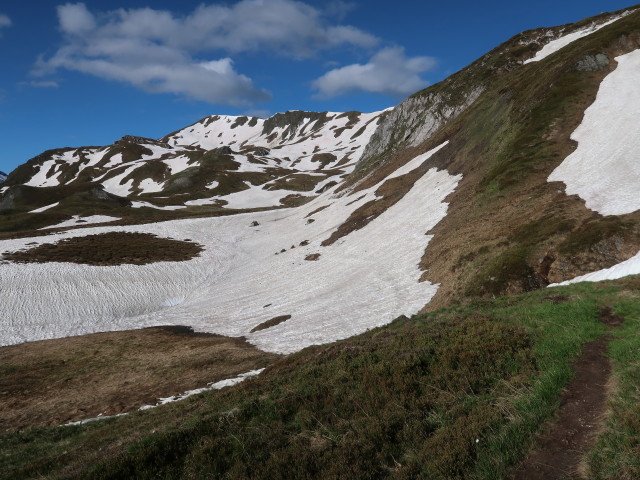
{"x": 415, "y": 120}
{"x": 593, "y": 63}
{"x": 141, "y": 140}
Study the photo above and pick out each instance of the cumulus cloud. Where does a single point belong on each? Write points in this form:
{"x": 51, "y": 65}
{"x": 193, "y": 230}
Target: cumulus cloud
{"x": 158, "y": 51}
{"x": 75, "y": 18}
{"x": 388, "y": 72}
{"x": 4, "y": 22}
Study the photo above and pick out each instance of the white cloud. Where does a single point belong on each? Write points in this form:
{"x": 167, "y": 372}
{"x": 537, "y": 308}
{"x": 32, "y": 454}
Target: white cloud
{"x": 41, "y": 84}
{"x": 4, "y": 22}
{"x": 190, "y": 55}
{"x": 389, "y": 72}
{"x": 75, "y": 18}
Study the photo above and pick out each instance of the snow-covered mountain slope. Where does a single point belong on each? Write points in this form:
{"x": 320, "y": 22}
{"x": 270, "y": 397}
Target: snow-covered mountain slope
{"x": 235, "y": 162}
{"x": 249, "y": 273}
{"x": 3, "y": 176}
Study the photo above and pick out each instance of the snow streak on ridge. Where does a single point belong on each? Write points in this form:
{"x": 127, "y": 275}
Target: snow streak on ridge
{"x": 554, "y": 45}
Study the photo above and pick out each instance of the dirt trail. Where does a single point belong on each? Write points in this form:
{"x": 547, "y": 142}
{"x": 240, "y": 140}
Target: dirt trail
{"x": 569, "y": 438}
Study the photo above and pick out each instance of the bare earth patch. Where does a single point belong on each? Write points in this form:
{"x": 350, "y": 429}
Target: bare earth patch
{"x": 53, "y": 382}
{"x": 113, "y": 248}
{"x": 271, "y": 323}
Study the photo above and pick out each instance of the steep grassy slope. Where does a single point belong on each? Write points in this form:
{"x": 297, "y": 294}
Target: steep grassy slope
{"x": 508, "y": 229}
{"x": 456, "y": 393}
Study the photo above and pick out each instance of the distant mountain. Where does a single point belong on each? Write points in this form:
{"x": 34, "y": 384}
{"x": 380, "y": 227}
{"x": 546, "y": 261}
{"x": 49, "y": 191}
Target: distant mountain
{"x": 3, "y": 176}
{"x": 221, "y": 161}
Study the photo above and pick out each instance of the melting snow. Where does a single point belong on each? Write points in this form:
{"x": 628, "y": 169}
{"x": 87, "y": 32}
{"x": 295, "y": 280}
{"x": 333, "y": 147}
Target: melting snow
{"x": 176, "y": 398}
{"x": 137, "y": 204}
{"x": 42, "y": 209}
{"x": 604, "y": 170}
{"x": 364, "y": 280}
{"x": 212, "y": 386}
{"x": 555, "y": 45}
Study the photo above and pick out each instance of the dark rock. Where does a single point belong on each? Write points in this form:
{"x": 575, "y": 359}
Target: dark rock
{"x": 593, "y": 63}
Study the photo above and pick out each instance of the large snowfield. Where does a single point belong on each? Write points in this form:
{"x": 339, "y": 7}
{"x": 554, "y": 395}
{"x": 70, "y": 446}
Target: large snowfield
{"x": 364, "y": 280}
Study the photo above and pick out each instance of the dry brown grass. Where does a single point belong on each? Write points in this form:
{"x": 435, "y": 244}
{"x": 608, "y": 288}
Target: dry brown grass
{"x": 113, "y": 248}
{"x": 53, "y": 382}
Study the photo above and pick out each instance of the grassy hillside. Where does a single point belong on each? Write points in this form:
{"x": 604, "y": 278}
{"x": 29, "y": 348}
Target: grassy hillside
{"x": 507, "y": 228}
{"x": 456, "y": 393}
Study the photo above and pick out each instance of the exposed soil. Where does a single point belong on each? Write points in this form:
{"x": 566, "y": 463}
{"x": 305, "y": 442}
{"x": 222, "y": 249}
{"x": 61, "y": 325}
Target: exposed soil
{"x": 571, "y": 435}
{"x": 606, "y": 316}
{"x": 271, "y": 323}
{"x": 53, "y": 382}
{"x": 113, "y": 248}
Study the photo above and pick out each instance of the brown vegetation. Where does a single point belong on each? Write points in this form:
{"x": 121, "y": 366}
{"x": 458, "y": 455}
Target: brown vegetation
{"x": 52, "y": 382}
{"x": 113, "y": 248}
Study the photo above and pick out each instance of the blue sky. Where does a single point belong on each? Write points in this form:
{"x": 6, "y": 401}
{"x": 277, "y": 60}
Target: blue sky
{"x": 76, "y": 74}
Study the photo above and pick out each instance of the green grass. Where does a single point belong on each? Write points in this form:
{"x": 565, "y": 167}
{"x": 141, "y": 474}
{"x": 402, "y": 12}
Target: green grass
{"x": 457, "y": 393}
{"x": 617, "y": 452}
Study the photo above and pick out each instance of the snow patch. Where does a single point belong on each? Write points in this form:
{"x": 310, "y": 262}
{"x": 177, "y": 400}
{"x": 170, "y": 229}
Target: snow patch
{"x": 604, "y": 170}
{"x": 177, "y": 164}
{"x": 148, "y": 185}
{"x": 138, "y": 204}
{"x": 176, "y": 398}
{"x": 212, "y": 386}
{"x": 47, "y": 207}
{"x": 113, "y": 161}
{"x": 113, "y": 185}
{"x": 555, "y": 45}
